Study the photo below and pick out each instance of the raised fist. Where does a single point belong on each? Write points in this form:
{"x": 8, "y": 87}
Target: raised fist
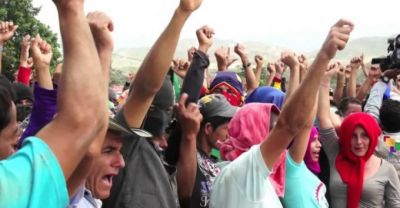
{"x": 337, "y": 38}
{"x": 7, "y": 30}
{"x": 101, "y": 26}
{"x": 204, "y": 36}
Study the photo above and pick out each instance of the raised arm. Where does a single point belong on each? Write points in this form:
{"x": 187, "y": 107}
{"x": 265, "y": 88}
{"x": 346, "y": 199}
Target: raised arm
{"x": 372, "y": 78}
{"x": 290, "y": 59}
{"x": 324, "y": 114}
{"x": 223, "y": 57}
{"x": 340, "y": 84}
{"x": 272, "y": 71}
{"x": 45, "y": 96}
{"x": 7, "y": 30}
{"x": 297, "y": 109}
{"x": 259, "y": 67}
{"x": 101, "y": 27}
{"x": 25, "y": 62}
{"x": 154, "y": 68}
{"x": 195, "y": 76}
{"x": 355, "y": 64}
{"x": 189, "y": 118}
{"x": 251, "y": 80}
{"x": 41, "y": 54}
{"x": 303, "y": 66}
{"x": 82, "y": 110}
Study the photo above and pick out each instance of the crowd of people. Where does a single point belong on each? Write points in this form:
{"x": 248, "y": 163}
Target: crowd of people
{"x": 179, "y": 137}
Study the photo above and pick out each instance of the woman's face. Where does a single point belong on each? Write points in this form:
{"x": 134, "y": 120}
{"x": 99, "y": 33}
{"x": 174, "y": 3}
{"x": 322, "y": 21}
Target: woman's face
{"x": 359, "y": 142}
{"x": 315, "y": 148}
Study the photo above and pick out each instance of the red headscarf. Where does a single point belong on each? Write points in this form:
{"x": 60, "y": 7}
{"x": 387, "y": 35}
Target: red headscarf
{"x": 350, "y": 166}
{"x": 248, "y": 127}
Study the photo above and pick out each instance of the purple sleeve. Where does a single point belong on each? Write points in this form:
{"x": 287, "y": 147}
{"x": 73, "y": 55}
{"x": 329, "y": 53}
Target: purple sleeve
{"x": 43, "y": 110}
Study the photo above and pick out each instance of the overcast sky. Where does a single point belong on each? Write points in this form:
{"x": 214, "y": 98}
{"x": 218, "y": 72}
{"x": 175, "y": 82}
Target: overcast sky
{"x": 301, "y": 25}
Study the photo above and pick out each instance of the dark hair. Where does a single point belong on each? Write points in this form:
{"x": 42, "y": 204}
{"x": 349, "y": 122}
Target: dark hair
{"x": 5, "y": 106}
{"x": 5, "y": 83}
{"x": 344, "y": 104}
{"x": 389, "y": 115}
{"x": 215, "y": 121}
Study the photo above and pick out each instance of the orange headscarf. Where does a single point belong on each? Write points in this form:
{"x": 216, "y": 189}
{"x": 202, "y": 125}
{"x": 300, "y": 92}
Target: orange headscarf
{"x": 350, "y": 166}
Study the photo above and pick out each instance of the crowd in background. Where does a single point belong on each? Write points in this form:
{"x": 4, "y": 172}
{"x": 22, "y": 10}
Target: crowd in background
{"x": 179, "y": 136}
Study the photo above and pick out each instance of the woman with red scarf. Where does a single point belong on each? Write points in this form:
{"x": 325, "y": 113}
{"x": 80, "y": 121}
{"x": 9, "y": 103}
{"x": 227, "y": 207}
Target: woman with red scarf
{"x": 357, "y": 177}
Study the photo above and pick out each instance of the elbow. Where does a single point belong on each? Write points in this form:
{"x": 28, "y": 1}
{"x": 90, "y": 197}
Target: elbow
{"x": 289, "y": 124}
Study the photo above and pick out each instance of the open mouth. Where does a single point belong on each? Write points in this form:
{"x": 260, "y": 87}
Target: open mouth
{"x": 107, "y": 179}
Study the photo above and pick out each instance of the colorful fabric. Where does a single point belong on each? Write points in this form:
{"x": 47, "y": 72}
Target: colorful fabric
{"x": 32, "y": 177}
{"x": 350, "y": 166}
{"x": 312, "y": 165}
{"x": 312, "y": 193}
{"x": 266, "y": 94}
{"x": 248, "y": 127}
{"x": 232, "y": 81}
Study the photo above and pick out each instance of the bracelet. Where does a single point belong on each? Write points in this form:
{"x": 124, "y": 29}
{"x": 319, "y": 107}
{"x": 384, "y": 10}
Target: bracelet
{"x": 1, "y": 48}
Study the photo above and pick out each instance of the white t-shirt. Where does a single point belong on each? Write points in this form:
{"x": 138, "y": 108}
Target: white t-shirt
{"x": 244, "y": 183}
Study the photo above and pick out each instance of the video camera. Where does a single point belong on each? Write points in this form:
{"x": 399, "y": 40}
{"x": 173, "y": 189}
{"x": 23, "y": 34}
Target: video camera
{"x": 392, "y": 60}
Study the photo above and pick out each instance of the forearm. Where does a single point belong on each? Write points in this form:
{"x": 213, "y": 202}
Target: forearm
{"x": 364, "y": 89}
{"x": 80, "y": 174}
{"x": 195, "y": 76}
{"x": 250, "y": 79}
{"x": 44, "y": 78}
{"x": 352, "y": 84}
{"x": 375, "y": 98}
{"x": 105, "y": 62}
{"x": 258, "y": 74}
{"x": 186, "y": 166}
{"x": 153, "y": 70}
{"x": 297, "y": 112}
{"x": 294, "y": 80}
{"x": 324, "y": 117}
{"x": 82, "y": 114}
{"x": 270, "y": 78}
{"x": 81, "y": 69}
{"x": 151, "y": 73}
{"x": 338, "y": 94}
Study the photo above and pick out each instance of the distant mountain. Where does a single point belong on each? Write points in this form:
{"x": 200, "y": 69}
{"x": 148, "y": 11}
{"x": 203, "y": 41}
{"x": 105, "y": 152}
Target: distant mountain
{"x": 129, "y": 59}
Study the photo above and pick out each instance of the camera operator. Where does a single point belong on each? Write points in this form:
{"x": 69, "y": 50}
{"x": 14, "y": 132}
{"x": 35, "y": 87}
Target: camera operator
{"x": 387, "y": 112}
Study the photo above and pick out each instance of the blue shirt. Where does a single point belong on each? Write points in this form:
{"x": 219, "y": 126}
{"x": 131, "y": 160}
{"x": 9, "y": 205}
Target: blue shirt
{"x": 32, "y": 177}
{"x": 302, "y": 188}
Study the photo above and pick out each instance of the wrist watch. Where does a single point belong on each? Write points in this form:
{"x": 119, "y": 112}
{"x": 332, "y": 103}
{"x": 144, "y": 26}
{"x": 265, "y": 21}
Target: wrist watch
{"x": 245, "y": 66}
{"x": 385, "y": 79}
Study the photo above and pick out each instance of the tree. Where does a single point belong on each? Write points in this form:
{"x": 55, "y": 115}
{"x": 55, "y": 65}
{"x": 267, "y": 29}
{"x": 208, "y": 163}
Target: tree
{"x": 22, "y": 13}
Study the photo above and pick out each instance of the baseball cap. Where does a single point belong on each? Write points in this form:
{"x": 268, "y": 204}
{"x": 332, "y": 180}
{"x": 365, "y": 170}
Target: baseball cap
{"x": 114, "y": 125}
{"x": 214, "y": 105}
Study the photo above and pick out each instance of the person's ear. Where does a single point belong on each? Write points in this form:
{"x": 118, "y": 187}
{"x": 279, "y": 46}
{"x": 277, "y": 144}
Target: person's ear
{"x": 208, "y": 129}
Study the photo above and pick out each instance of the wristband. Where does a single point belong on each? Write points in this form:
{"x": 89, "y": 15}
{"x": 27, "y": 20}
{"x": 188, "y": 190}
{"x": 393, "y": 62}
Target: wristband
{"x": 276, "y": 79}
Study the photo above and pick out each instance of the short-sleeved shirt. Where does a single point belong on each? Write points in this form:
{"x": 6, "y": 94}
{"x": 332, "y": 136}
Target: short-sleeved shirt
{"x": 32, "y": 177}
{"x": 244, "y": 183}
{"x": 312, "y": 191}
{"x": 205, "y": 176}
{"x": 380, "y": 190}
